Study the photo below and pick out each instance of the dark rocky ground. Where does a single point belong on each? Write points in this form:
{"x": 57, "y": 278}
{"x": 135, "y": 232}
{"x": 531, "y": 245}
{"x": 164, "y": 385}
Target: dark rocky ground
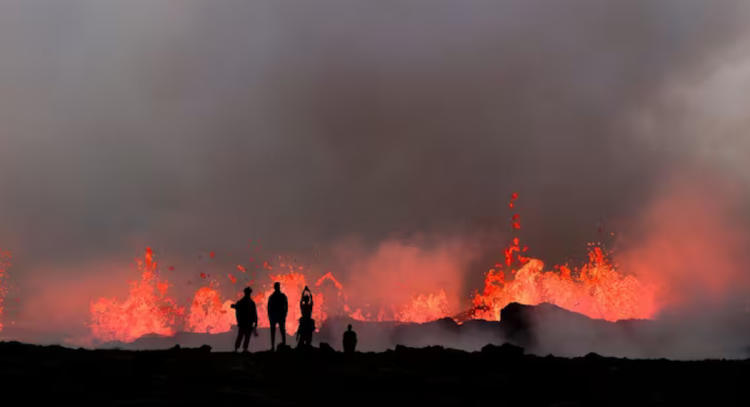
{"x": 497, "y": 375}
{"x": 418, "y": 375}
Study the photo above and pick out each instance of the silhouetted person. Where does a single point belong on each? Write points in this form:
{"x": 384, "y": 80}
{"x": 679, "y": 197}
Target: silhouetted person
{"x": 306, "y": 303}
{"x": 306, "y": 323}
{"x": 350, "y": 340}
{"x": 277, "y": 310}
{"x": 305, "y": 331}
{"x": 247, "y": 319}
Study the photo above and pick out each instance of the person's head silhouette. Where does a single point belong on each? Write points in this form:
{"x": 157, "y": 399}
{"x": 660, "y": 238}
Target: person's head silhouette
{"x": 277, "y": 286}
{"x": 349, "y": 328}
{"x": 247, "y": 291}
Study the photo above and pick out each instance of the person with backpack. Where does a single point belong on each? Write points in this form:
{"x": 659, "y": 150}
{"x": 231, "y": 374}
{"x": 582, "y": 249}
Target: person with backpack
{"x": 247, "y": 320}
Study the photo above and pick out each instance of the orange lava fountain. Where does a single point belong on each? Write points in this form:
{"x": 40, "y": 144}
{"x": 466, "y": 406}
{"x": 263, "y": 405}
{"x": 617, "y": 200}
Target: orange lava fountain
{"x": 208, "y": 313}
{"x": 148, "y": 308}
{"x": 596, "y": 289}
{"x": 292, "y": 283}
{"x": 424, "y": 308}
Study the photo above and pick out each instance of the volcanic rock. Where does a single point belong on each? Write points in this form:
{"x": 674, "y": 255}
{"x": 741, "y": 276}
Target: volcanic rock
{"x": 547, "y": 328}
{"x": 505, "y": 350}
{"x": 326, "y": 348}
{"x": 404, "y": 376}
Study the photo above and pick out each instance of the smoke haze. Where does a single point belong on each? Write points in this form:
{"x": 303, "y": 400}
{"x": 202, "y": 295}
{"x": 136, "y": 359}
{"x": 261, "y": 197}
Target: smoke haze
{"x": 366, "y": 137}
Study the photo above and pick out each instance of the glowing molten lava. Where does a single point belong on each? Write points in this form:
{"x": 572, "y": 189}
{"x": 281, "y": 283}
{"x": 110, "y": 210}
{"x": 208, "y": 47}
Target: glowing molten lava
{"x": 292, "y": 284}
{"x": 596, "y": 290}
{"x": 208, "y": 313}
{"x": 147, "y": 309}
{"x": 424, "y": 308}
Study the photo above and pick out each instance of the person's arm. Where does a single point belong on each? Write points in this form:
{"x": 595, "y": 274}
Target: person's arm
{"x": 311, "y": 295}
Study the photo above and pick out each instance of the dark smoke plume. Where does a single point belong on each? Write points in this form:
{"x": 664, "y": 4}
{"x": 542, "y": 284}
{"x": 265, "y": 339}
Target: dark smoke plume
{"x": 192, "y": 126}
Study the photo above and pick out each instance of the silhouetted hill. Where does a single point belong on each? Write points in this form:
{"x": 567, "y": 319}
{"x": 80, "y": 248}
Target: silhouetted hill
{"x": 496, "y": 375}
{"x": 547, "y": 328}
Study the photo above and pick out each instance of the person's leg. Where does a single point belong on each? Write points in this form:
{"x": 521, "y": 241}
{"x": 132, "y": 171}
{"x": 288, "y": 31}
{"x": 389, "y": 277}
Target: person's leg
{"x": 239, "y": 338}
{"x": 273, "y": 335}
{"x": 246, "y": 343}
{"x": 302, "y": 332}
{"x": 282, "y": 329}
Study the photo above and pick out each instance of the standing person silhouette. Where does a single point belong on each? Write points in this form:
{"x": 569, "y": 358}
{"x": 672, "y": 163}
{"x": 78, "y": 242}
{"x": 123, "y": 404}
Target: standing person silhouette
{"x": 247, "y": 319}
{"x": 277, "y": 310}
{"x": 306, "y": 303}
{"x": 306, "y": 323}
{"x": 350, "y": 340}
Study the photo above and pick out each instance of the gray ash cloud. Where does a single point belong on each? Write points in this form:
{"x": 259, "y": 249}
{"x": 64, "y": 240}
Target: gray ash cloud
{"x": 197, "y": 125}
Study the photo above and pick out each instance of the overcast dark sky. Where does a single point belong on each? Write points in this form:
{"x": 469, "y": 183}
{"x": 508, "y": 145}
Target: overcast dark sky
{"x": 196, "y": 125}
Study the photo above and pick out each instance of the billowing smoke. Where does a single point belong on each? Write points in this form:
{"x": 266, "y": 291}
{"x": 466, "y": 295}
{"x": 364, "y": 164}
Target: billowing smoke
{"x": 192, "y": 128}
{"x": 396, "y": 272}
{"x": 689, "y": 241}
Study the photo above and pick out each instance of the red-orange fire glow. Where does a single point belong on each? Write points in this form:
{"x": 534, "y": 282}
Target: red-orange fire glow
{"x": 208, "y": 313}
{"x": 596, "y": 289}
{"x": 147, "y": 309}
{"x": 424, "y": 308}
{"x": 292, "y": 284}
{"x": 4, "y": 266}
{"x": 329, "y": 277}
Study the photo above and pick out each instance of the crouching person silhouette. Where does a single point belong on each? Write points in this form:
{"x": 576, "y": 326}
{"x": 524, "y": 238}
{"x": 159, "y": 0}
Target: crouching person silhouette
{"x": 247, "y": 319}
{"x": 350, "y": 340}
{"x": 277, "y": 310}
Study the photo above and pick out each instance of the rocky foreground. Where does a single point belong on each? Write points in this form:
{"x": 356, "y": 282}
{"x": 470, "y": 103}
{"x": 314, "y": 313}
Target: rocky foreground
{"x": 496, "y": 375}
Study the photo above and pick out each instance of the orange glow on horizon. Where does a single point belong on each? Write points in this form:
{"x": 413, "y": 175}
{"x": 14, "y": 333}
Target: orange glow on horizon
{"x": 596, "y": 289}
{"x": 5, "y": 257}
